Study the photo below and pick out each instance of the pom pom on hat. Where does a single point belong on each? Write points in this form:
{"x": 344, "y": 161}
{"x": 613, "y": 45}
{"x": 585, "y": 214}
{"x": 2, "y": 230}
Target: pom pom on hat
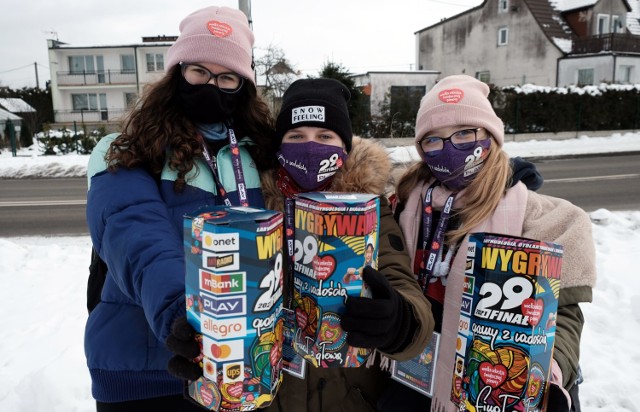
{"x": 458, "y": 100}
{"x": 219, "y": 35}
{"x": 316, "y": 103}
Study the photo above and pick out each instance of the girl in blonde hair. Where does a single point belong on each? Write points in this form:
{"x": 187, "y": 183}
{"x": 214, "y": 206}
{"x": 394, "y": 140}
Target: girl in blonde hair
{"x": 464, "y": 184}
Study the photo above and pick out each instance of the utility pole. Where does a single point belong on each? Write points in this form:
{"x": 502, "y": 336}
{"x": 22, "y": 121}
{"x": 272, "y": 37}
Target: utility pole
{"x": 245, "y": 7}
{"x": 35, "y": 66}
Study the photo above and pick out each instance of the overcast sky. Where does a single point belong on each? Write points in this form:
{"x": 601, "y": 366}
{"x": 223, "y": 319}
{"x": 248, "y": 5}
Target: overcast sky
{"x": 361, "y": 35}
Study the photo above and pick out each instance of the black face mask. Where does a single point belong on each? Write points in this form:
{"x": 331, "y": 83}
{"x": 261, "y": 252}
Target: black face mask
{"x": 205, "y": 103}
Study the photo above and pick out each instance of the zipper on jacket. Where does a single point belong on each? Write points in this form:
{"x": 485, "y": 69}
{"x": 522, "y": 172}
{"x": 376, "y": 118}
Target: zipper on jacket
{"x": 321, "y": 384}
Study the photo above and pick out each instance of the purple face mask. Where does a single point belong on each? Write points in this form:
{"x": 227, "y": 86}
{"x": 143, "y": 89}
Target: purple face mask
{"x": 455, "y": 168}
{"x": 310, "y": 164}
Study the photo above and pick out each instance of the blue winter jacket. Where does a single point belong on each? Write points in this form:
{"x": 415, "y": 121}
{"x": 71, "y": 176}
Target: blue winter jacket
{"x": 136, "y": 226}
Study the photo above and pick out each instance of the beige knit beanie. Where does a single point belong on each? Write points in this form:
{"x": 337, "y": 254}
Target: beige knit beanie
{"x": 218, "y": 35}
{"x": 458, "y": 100}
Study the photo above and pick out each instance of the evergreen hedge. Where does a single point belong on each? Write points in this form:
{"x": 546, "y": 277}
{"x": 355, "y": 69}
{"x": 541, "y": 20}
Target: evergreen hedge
{"x": 532, "y": 109}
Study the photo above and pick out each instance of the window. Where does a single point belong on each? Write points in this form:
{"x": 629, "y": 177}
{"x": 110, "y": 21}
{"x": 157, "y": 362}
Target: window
{"x": 128, "y": 63}
{"x": 484, "y": 76}
{"x": 625, "y": 74}
{"x": 155, "y": 62}
{"x": 89, "y": 101}
{"x": 616, "y": 24}
{"x": 503, "y": 36}
{"x": 81, "y": 64}
{"x": 603, "y": 24}
{"x": 503, "y": 6}
{"x": 585, "y": 77}
{"x": 130, "y": 99}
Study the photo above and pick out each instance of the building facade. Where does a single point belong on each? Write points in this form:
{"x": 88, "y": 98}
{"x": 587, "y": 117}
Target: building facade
{"x": 95, "y": 85}
{"x": 543, "y": 42}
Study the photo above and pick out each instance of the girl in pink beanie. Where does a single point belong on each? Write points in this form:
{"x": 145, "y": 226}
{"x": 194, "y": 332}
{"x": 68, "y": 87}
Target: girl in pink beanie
{"x": 465, "y": 184}
{"x": 199, "y": 136}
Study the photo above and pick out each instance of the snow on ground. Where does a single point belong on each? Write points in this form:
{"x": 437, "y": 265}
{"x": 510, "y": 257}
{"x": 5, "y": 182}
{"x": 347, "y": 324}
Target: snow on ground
{"x": 42, "y": 299}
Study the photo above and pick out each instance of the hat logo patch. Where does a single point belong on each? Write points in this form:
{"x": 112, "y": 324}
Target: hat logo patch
{"x": 307, "y": 114}
{"x": 451, "y": 95}
{"x": 219, "y": 29}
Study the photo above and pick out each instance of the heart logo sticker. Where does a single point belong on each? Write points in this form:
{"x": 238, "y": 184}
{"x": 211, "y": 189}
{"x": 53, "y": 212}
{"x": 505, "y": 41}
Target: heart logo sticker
{"x": 219, "y": 29}
{"x": 451, "y": 95}
{"x": 492, "y": 375}
{"x": 235, "y": 390}
{"x": 324, "y": 266}
{"x": 533, "y": 309}
{"x": 207, "y": 395}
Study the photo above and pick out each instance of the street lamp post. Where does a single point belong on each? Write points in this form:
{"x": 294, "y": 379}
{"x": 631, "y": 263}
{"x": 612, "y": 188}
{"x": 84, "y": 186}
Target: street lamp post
{"x": 12, "y": 137}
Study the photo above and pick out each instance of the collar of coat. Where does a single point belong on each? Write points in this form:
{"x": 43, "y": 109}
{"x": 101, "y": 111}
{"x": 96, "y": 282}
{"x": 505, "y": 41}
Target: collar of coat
{"x": 366, "y": 170}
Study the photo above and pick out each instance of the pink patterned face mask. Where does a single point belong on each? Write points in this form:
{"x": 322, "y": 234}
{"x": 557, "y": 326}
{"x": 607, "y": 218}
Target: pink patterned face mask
{"x": 310, "y": 164}
{"x": 454, "y": 167}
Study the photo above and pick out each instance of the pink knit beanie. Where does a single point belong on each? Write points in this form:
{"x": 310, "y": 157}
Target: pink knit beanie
{"x": 458, "y": 100}
{"x": 218, "y": 35}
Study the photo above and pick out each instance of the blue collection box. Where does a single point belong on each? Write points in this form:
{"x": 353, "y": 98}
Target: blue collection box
{"x": 234, "y": 280}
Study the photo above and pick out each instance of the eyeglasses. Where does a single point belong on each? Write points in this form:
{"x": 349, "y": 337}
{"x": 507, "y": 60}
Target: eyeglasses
{"x": 196, "y": 75}
{"x": 462, "y": 139}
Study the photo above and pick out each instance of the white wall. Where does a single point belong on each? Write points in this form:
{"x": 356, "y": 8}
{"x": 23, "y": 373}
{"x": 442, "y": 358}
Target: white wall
{"x": 381, "y": 83}
{"x": 628, "y": 61}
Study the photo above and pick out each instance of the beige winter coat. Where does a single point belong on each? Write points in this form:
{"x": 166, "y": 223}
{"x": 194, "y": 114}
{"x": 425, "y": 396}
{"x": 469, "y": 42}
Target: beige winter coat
{"x": 527, "y": 214}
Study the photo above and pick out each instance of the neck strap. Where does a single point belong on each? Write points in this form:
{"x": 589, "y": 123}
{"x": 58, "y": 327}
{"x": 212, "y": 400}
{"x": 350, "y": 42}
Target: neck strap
{"x": 432, "y": 245}
{"x": 236, "y": 163}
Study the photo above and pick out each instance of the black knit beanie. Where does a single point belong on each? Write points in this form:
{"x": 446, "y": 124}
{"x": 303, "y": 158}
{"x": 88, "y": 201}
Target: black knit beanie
{"x": 316, "y": 103}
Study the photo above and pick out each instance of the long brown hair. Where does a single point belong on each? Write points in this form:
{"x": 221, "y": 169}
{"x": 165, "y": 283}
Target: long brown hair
{"x": 481, "y": 196}
{"x": 157, "y": 127}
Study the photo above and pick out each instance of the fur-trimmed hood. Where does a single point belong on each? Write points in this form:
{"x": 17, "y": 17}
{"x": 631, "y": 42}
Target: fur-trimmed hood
{"x": 366, "y": 170}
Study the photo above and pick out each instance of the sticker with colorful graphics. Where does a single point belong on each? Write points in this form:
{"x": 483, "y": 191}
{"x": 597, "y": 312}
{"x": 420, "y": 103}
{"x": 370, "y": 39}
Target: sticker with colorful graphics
{"x": 232, "y": 372}
{"x": 223, "y": 351}
{"x": 206, "y": 393}
{"x": 221, "y": 242}
{"x": 222, "y": 284}
{"x": 221, "y": 261}
{"x": 226, "y": 328}
{"x": 223, "y": 307}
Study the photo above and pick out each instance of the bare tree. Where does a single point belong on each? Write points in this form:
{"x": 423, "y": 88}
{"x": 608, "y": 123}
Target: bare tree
{"x": 276, "y": 73}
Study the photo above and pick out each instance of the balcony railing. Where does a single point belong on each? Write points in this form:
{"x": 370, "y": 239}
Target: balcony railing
{"x": 611, "y": 42}
{"x": 88, "y": 116}
{"x": 95, "y": 78}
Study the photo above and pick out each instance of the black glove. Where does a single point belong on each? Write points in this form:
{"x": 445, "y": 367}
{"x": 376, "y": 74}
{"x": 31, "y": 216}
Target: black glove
{"x": 384, "y": 321}
{"x": 182, "y": 342}
{"x": 525, "y": 172}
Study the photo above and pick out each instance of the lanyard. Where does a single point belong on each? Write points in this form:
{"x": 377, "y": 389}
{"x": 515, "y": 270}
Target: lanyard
{"x": 289, "y": 232}
{"x": 236, "y": 163}
{"x": 432, "y": 245}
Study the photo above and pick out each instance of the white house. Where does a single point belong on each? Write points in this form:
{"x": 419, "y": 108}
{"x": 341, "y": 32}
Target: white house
{"x": 94, "y": 85}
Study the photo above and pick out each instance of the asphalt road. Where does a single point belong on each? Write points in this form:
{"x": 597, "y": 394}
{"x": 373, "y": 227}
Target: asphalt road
{"x": 608, "y": 182}
{"x": 43, "y": 207}
{"x": 54, "y": 207}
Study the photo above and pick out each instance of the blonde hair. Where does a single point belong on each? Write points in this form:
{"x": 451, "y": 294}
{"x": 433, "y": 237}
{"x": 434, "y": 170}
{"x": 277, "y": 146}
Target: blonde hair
{"x": 481, "y": 196}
